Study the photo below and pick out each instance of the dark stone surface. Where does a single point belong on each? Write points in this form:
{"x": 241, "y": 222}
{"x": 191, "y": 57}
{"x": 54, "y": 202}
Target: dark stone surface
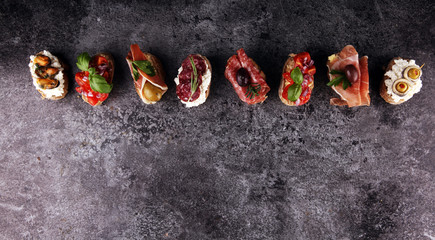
{"x": 224, "y": 170}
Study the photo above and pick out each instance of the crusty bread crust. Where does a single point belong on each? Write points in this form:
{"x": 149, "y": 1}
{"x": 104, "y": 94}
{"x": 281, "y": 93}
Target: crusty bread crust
{"x": 111, "y": 62}
{"x": 159, "y": 71}
{"x": 65, "y": 83}
{"x": 288, "y": 66}
{"x": 383, "y": 88}
{"x": 207, "y": 62}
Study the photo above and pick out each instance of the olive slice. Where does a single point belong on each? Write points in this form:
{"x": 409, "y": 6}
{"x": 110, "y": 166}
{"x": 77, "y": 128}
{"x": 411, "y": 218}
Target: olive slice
{"x": 46, "y": 83}
{"x": 412, "y": 73}
{"x": 243, "y": 77}
{"x": 402, "y": 86}
{"x": 351, "y": 73}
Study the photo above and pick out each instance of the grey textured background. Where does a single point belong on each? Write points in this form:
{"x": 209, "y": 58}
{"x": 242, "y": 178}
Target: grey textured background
{"x": 224, "y": 170}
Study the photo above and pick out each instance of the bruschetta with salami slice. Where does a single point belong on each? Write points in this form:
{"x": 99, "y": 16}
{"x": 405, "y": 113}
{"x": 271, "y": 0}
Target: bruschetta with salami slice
{"x": 193, "y": 80}
{"x": 349, "y": 77}
{"x": 297, "y": 79}
{"x": 48, "y": 74}
{"x": 95, "y": 79}
{"x": 248, "y": 80}
{"x": 148, "y": 75}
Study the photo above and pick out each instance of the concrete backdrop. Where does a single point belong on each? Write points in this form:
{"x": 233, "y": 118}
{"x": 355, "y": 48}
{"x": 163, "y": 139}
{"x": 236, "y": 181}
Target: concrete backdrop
{"x": 224, "y": 170}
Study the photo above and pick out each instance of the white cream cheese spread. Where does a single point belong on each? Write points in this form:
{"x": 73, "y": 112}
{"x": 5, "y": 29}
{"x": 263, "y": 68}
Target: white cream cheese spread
{"x": 397, "y": 73}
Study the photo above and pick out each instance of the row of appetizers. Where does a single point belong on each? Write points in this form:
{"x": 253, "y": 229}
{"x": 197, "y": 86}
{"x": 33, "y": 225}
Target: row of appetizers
{"x": 348, "y": 76}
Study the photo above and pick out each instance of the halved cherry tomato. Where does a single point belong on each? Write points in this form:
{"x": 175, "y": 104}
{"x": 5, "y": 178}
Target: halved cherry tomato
{"x": 101, "y": 60}
{"x": 288, "y": 78}
{"x": 92, "y": 100}
{"x": 302, "y": 59}
{"x": 311, "y": 70}
{"x": 285, "y": 92}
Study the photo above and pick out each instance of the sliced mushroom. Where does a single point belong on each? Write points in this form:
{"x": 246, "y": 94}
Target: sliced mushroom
{"x": 46, "y": 83}
{"x": 42, "y": 60}
{"x": 46, "y": 72}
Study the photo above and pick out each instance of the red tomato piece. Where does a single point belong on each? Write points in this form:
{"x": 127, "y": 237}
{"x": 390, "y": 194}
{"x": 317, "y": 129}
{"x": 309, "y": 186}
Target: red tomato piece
{"x": 101, "y": 60}
{"x": 302, "y": 59}
{"x": 311, "y": 70}
{"x": 285, "y": 92}
{"x": 92, "y": 100}
{"x": 287, "y": 77}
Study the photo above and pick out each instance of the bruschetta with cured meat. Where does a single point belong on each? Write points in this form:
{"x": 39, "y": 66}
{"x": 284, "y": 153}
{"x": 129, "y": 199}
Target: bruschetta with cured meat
{"x": 401, "y": 81}
{"x": 248, "y": 80}
{"x": 297, "y": 79}
{"x": 349, "y": 77}
{"x": 148, "y": 75}
{"x": 48, "y": 74}
{"x": 193, "y": 80}
{"x": 95, "y": 79}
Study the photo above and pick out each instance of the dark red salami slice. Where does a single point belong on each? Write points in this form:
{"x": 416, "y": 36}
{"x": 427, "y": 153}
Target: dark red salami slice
{"x": 257, "y": 81}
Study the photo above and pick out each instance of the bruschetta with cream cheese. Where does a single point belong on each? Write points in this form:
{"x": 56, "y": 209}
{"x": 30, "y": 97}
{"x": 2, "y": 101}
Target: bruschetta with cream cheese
{"x": 401, "y": 81}
{"x": 297, "y": 80}
{"x": 148, "y": 75}
{"x": 95, "y": 79}
{"x": 193, "y": 80}
{"x": 48, "y": 74}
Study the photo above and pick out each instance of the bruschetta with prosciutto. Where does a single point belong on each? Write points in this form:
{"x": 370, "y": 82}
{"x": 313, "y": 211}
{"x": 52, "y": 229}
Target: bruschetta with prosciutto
{"x": 248, "y": 80}
{"x": 193, "y": 80}
{"x": 148, "y": 75}
{"x": 95, "y": 79}
{"x": 48, "y": 74}
{"x": 349, "y": 77}
{"x": 297, "y": 79}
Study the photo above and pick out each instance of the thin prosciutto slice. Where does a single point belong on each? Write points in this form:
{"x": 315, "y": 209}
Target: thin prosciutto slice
{"x": 358, "y": 93}
{"x": 135, "y": 54}
{"x": 241, "y": 60}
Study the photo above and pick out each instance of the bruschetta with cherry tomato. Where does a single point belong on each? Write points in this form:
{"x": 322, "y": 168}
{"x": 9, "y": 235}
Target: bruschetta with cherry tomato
{"x": 148, "y": 75}
{"x": 297, "y": 81}
{"x": 95, "y": 79}
{"x": 48, "y": 74}
{"x": 248, "y": 80}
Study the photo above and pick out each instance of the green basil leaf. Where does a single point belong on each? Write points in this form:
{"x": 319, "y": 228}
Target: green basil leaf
{"x": 99, "y": 84}
{"x": 135, "y": 73}
{"x": 335, "y": 81}
{"x": 346, "y": 84}
{"x": 297, "y": 76}
{"x": 336, "y": 72}
{"x": 294, "y": 92}
{"x": 92, "y": 71}
{"x": 145, "y": 66}
{"x": 83, "y": 61}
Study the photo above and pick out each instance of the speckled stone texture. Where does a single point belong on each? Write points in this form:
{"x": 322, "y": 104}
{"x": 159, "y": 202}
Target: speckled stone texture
{"x": 224, "y": 170}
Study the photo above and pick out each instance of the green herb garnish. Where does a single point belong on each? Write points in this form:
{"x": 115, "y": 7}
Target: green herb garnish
{"x": 97, "y": 82}
{"x": 295, "y": 90}
{"x": 341, "y": 78}
{"x": 193, "y": 79}
{"x": 253, "y": 90}
{"x": 144, "y": 65}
